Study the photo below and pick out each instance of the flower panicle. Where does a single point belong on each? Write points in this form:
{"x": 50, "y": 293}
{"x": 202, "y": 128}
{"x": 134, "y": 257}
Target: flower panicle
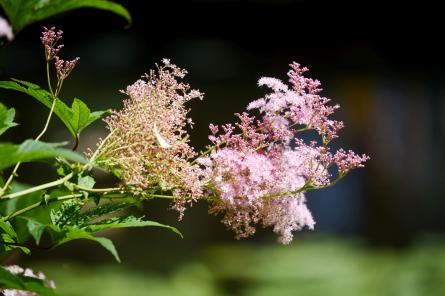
{"x": 148, "y": 142}
{"x": 259, "y": 168}
{"x": 50, "y": 39}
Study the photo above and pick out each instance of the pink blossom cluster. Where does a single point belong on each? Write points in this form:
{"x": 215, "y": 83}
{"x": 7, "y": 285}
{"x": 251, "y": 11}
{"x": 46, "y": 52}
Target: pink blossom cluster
{"x": 148, "y": 144}
{"x": 64, "y": 68}
{"x": 26, "y": 272}
{"x": 50, "y": 39}
{"x": 259, "y": 169}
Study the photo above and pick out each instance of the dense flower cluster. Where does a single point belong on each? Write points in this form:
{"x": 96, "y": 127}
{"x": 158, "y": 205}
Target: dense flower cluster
{"x": 50, "y": 39}
{"x": 148, "y": 143}
{"x": 258, "y": 169}
{"x": 26, "y": 272}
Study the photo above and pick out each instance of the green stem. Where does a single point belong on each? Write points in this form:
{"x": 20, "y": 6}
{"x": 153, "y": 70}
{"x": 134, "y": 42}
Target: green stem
{"x": 105, "y": 190}
{"x": 306, "y": 187}
{"x": 37, "y": 204}
{"x": 45, "y": 128}
{"x": 96, "y": 153}
{"x": 40, "y": 187}
{"x": 71, "y": 196}
{"x": 48, "y": 77}
{"x": 162, "y": 196}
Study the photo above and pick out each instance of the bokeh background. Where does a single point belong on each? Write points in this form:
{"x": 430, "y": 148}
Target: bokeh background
{"x": 379, "y": 232}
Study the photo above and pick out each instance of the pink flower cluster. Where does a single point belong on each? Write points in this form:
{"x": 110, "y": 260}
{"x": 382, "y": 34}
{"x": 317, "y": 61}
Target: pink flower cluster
{"x": 50, "y": 39}
{"x": 64, "y": 68}
{"x": 258, "y": 169}
{"x": 148, "y": 144}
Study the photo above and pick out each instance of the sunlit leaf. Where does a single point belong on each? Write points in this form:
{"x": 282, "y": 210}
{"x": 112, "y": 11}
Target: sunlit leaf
{"x": 31, "y": 150}
{"x": 24, "y": 12}
{"x": 75, "y": 119}
{"x": 6, "y": 118}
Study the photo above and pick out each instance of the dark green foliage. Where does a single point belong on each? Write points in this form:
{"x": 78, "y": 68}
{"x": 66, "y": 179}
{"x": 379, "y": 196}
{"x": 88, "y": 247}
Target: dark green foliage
{"x": 24, "y": 12}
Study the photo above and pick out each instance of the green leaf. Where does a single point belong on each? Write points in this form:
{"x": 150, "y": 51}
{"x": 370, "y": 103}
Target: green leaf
{"x": 31, "y": 150}
{"x": 8, "y": 238}
{"x": 67, "y": 214}
{"x": 24, "y": 283}
{"x": 75, "y": 119}
{"x": 129, "y": 221}
{"x": 68, "y": 233}
{"x": 8, "y": 280}
{"x": 7, "y": 228}
{"x": 82, "y": 116}
{"x": 86, "y": 182}
{"x": 6, "y": 118}
{"x": 61, "y": 110}
{"x": 35, "y": 228}
{"x": 24, "y": 12}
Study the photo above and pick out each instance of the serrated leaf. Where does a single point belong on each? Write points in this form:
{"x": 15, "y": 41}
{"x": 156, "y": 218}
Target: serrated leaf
{"x": 68, "y": 233}
{"x": 61, "y": 109}
{"x": 75, "y": 119}
{"x": 31, "y": 150}
{"x": 67, "y": 214}
{"x": 129, "y": 221}
{"x": 24, "y": 12}
{"x": 6, "y": 118}
{"x": 82, "y": 116}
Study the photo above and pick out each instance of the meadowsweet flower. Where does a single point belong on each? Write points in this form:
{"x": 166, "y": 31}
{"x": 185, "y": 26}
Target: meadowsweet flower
{"x": 259, "y": 169}
{"x": 64, "y": 68}
{"x": 50, "y": 38}
{"x": 26, "y": 272}
{"x": 5, "y": 29}
{"x": 148, "y": 143}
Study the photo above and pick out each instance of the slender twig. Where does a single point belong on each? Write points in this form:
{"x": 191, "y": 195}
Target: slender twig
{"x": 37, "y": 204}
{"x": 45, "y": 128}
{"x": 71, "y": 196}
{"x": 114, "y": 189}
{"x": 39, "y": 187}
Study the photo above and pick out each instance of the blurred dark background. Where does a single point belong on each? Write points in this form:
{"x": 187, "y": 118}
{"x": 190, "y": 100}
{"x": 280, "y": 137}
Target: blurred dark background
{"x": 383, "y": 64}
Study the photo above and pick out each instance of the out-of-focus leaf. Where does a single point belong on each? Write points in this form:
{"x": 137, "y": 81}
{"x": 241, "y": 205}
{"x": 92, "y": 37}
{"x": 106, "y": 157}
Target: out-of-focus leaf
{"x": 6, "y": 118}
{"x": 8, "y": 238}
{"x": 35, "y": 228}
{"x": 24, "y": 12}
{"x": 24, "y": 283}
{"x": 86, "y": 182}
{"x": 7, "y": 228}
{"x": 31, "y": 150}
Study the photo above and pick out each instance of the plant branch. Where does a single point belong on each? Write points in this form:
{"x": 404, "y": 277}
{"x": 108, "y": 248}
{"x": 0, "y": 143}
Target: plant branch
{"x": 45, "y": 128}
{"x": 39, "y": 187}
